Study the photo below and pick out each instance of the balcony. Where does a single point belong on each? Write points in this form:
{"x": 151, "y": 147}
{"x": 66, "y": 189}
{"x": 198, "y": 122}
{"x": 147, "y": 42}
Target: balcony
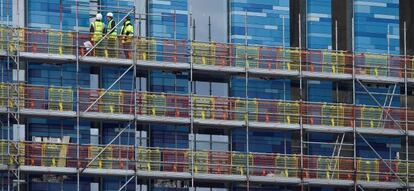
{"x": 124, "y": 105}
{"x": 209, "y": 165}
{"x": 232, "y": 58}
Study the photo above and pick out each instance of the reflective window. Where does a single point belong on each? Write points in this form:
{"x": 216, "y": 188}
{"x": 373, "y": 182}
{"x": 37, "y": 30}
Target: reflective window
{"x": 319, "y": 25}
{"x": 267, "y": 22}
{"x": 168, "y": 19}
{"x": 57, "y": 14}
{"x": 376, "y": 23}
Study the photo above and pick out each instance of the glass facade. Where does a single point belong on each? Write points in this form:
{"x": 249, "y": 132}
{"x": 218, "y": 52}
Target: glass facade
{"x": 261, "y": 88}
{"x": 57, "y": 14}
{"x": 171, "y": 102}
{"x": 377, "y": 26}
{"x": 319, "y": 25}
{"x": 267, "y": 22}
{"x": 6, "y": 12}
{"x": 168, "y": 19}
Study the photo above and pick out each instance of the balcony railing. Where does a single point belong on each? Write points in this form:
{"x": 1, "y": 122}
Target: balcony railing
{"x": 212, "y": 53}
{"x": 152, "y": 104}
{"x": 126, "y": 157}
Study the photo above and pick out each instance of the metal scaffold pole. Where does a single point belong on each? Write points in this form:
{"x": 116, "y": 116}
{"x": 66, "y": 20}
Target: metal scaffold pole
{"x": 246, "y": 112}
{"x": 190, "y": 100}
{"x": 407, "y": 156}
{"x": 355, "y": 165}
{"x": 300, "y": 104}
{"x": 136, "y": 89}
{"x": 77, "y": 100}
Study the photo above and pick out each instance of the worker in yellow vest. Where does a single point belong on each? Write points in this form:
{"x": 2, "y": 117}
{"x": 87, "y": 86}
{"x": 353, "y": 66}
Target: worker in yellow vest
{"x": 96, "y": 29}
{"x": 112, "y": 45}
{"x": 127, "y": 33}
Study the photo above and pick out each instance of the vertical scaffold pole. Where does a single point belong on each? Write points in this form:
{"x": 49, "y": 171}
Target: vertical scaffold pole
{"x": 300, "y": 100}
{"x": 407, "y": 181}
{"x": 246, "y": 112}
{"x": 353, "y": 106}
{"x": 77, "y": 100}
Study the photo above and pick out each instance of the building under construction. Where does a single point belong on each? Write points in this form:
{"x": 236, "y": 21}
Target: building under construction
{"x": 230, "y": 95}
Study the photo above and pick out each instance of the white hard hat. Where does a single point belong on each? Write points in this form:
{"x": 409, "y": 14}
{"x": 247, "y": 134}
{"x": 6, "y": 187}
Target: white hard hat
{"x": 110, "y": 14}
{"x": 99, "y": 16}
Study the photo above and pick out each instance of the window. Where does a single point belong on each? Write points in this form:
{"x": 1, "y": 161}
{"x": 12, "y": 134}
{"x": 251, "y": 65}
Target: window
{"x": 216, "y": 10}
{"x": 205, "y": 88}
{"x": 211, "y": 142}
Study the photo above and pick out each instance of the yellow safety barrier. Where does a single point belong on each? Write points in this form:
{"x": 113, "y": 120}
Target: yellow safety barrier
{"x": 149, "y": 159}
{"x": 146, "y": 49}
{"x": 371, "y": 116}
{"x": 288, "y": 112}
{"x": 60, "y": 99}
{"x": 203, "y": 53}
{"x": 17, "y": 36}
{"x": 60, "y": 42}
{"x": 50, "y": 154}
{"x": 287, "y": 166}
{"x": 253, "y": 109}
{"x": 203, "y": 107}
{"x": 376, "y": 65}
{"x": 11, "y": 102}
{"x": 327, "y": 168}
{"x": 104, "y": 160}
{"x": 247, "y": 56}
{"x": 200, "y": 162}
{"x": 4, "y": 32}
{"x": 17, "y": 153}
{"x": 4, "y": 157}
{"x": 155, "y": 104}
{"x": 111, "y": 102}
{"x": 368, "y": 170}
{"x": 292, "y": 57}
{"x": 333, "y": 62}
{"x": 4, "y": 95}
{"x": 239, "y": 163}
{"x": 333, "y": 115}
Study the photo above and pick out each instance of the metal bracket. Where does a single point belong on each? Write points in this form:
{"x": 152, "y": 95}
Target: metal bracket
{"x": 126, "y": 183}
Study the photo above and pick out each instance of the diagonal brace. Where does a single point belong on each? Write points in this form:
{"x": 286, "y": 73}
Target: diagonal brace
{"x": 96, "y": 44}
{"x": 379, "y": 156}
{"x": 106, "y": 146}
{"x": 126, "y": 183}
{"x": 380, "y": 106}
{"x": 109, "y": 88}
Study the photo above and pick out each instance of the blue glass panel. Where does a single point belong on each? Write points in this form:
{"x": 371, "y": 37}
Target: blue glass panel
{"x": 260, "y": 88}
{"x": 376, "y": 21}
{"x": 267, "y": 142}
{"x": 169, "y": 136}
{"x": 168, "y": 19}
{"x": 320, "y": 91}
{"x": 267, "y": 22}
{"x": 57, "y": 14}
{"x": 363, "y": 98}
{"x": 386, "y": 147}
{"x": 319, "y": 16}
{"x": 57, "y": 128}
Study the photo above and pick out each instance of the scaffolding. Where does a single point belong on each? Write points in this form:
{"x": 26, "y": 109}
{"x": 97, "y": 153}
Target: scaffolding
{"x": 20, "y": 99}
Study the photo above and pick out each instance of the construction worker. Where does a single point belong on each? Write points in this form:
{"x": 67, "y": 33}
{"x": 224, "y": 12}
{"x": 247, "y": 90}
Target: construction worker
{"x": 127, "y": 33}
{"x": 96, "y": 29}
{"x": 112, "y": 44}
